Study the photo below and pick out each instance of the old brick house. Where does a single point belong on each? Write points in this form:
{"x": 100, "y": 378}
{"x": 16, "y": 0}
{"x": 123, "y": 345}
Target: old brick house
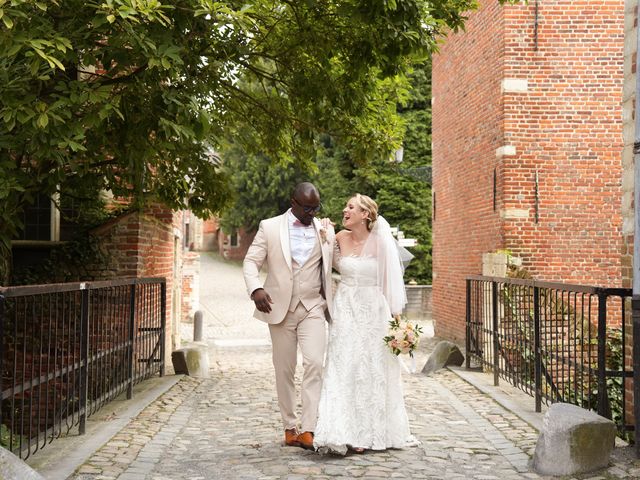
{"x": 527, "y": 147}
{"x": 149, "y": 243}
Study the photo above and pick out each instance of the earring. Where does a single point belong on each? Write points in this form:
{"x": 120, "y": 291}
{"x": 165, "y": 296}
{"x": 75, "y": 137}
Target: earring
{"x": 362, "y": 222}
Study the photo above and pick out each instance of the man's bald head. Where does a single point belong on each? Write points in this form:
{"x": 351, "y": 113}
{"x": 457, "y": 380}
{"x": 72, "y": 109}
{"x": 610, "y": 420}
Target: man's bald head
{"x": 304, "y": 189}
{"x": 305, "y": 202}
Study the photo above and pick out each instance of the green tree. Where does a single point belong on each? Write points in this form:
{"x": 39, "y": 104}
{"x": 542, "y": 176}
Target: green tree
{"x": 134, "y": 94}
{"x": 261, "y": 187}
{"x": 403, "y": 191}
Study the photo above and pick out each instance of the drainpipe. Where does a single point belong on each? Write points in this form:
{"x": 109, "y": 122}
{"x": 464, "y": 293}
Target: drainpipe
{"x": 635, "y": 303}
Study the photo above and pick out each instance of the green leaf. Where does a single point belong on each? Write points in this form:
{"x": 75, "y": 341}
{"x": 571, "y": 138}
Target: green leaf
{"x": 14, "y": 50}
{"x": 111, "y": 18}
{"x": 43, "y": 120}
{"x": 34, "y": 66}
{"x": 25, "y": 115}
{"x": 7, "y": 22}
{"x": 41, "y": 53}
{"x": 76, "y": 147}
{"x": 56, "y": 62}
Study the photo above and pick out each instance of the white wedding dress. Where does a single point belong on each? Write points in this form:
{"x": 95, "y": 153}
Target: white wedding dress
{"x": 361, "y": 404}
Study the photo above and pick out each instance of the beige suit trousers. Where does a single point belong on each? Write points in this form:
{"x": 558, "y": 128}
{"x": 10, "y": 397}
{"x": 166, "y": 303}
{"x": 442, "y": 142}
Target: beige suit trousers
{"x": 307, "y": 329}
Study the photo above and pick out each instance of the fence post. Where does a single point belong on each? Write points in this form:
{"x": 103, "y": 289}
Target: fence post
{"x": 496, "y": 345}
{"x": 84, "y": 356}
{"x": 536, "y": 348}
{"x": 635, "y": 309}
{"x": 603, "y": 397}
{"x": 198, "y": 326}
{"x": 163, "y": 321}
{"x": 467, "y": 340}
{"x": 132, "y": 324}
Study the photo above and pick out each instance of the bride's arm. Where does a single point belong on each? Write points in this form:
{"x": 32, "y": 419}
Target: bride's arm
{"x": 337, "y": 256}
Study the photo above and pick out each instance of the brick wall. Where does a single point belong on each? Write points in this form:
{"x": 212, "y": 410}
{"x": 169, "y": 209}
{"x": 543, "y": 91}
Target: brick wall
{"x": 567, "y": 127}
{"x": 628, "y": 211}
{"x": 542, "y": 118}
{"x": 467, "y": 126}
{"x": 210, "y": 232}
{"x": 190, "y": 285}
{"x": 235, "y": 252}
{"x": 142, "y": 245}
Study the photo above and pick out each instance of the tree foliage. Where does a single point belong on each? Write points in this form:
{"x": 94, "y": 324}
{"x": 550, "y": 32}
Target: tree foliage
{"x": 403, "y": 192}
{"x": 134, "y": 95}
{"x": 261, "y": 188}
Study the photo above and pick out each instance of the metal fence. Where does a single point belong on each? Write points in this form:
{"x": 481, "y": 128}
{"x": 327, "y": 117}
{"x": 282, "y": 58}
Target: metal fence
{"x": 556, "y": 342}
{"x": 68, "y": 349}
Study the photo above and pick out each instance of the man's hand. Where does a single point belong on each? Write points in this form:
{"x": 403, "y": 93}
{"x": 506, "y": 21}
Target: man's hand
{"x": 262, "y": 300}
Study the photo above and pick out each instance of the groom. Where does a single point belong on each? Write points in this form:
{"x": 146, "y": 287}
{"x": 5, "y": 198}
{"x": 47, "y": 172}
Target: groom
{"x": 294, "y": 300}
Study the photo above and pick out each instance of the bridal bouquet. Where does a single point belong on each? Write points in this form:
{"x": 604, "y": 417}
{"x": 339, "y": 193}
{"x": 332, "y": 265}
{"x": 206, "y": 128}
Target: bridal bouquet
{"x": 403, "y": 337}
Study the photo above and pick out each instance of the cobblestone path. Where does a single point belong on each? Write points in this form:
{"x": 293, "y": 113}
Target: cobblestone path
{"x": 227, "y": 427}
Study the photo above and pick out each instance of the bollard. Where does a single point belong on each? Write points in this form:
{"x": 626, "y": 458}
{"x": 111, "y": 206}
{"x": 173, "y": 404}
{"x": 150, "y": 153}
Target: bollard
{"x": 197, "y": 326}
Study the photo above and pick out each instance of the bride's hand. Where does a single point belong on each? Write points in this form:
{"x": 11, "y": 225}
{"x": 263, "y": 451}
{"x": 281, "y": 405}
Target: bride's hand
{"x": 326, "y": 222}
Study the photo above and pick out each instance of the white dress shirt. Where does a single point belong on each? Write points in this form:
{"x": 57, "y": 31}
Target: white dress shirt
{"x": 302, "y": 239}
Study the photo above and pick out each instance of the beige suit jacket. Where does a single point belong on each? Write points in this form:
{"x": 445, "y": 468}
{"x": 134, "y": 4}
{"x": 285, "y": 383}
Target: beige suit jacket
{"x": 271, "y": 244}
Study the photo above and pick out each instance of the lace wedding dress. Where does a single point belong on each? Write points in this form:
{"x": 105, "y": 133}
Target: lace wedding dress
{"x": 361, "y": 404}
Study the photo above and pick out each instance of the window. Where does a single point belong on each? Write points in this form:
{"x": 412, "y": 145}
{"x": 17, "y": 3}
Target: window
{"x": 234, "y": 239}
{"x": 41, "y": 221}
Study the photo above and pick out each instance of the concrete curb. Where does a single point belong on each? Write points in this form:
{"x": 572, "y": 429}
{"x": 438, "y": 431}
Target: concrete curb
{"x": 510, "y": 397}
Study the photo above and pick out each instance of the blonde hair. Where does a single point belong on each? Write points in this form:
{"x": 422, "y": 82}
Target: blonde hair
{"x": 368, "y": 205}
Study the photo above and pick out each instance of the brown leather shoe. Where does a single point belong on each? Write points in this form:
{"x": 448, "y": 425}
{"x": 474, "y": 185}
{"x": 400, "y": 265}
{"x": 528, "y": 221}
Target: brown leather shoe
{"x": 291, "y": 437}
{"x": 305, "y": 439}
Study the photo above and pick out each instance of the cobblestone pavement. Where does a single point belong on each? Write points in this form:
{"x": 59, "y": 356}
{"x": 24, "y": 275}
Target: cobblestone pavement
{"x": 228, "y": 427}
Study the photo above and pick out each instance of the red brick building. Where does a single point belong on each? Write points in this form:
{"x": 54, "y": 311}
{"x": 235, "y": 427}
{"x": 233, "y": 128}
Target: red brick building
{"x": 527, "y": 147}
{"x": 150, "y": 244}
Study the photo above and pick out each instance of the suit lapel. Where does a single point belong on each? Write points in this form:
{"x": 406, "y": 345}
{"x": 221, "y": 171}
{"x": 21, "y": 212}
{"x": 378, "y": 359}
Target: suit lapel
{"x": 323, "y": 253}
{"x": 284, "y": 239}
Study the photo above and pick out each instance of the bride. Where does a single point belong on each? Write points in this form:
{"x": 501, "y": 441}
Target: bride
{"x": 361, "y": 404}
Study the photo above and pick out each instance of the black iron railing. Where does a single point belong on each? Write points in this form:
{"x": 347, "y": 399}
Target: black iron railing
{"x": 556, "y": 342}
{"x": 68, "y": 349}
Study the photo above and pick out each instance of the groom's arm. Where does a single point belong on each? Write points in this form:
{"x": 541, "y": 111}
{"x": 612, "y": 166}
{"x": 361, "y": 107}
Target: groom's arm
{"x": 253, "y": 261}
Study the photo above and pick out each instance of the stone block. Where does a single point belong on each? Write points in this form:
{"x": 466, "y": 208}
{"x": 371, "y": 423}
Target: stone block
{"x": 505, "y": 150}
{"x": 444, "y": 354}
{"x": 515, "y": 85}
{"x": 192, "y": 360}
{"x": 573, "y": 440}
{"x": 13, "y": 468}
